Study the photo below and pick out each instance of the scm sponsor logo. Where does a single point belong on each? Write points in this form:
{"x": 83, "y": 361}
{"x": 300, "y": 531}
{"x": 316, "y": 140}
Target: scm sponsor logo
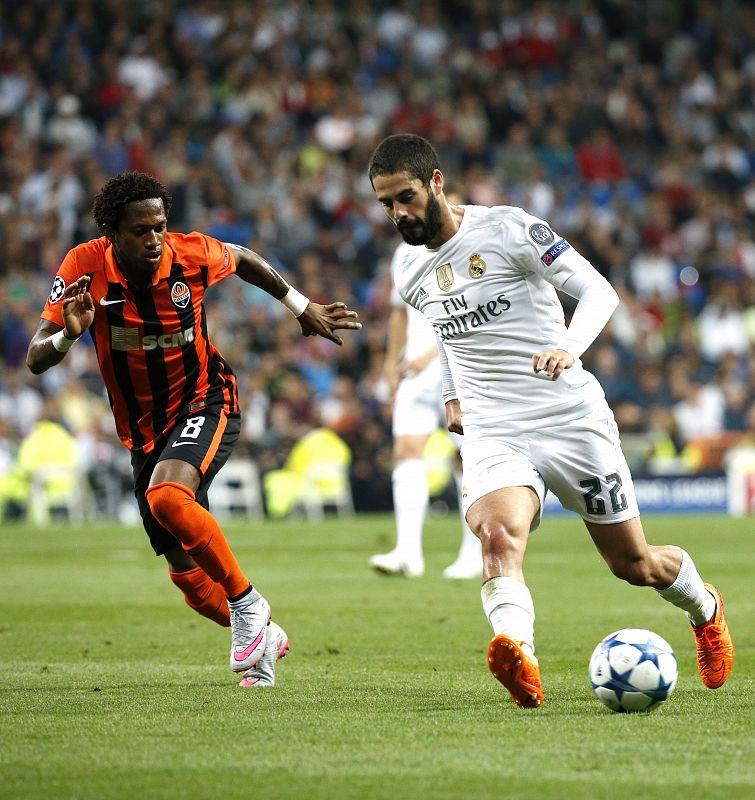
{"x": 129, "y": 339}
{"x": 168, "y": 340}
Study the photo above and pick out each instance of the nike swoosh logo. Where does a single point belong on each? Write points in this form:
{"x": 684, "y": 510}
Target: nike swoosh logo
{"x": 178, "y": 444}
{"x": 104, "y": 302}
{"x": 240, "y": 655}
{"x": 718, "y": 672}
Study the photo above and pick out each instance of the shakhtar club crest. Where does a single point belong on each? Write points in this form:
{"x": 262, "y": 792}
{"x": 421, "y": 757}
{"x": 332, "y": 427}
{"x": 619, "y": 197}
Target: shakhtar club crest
{"x": 445, "y": 276}
{"x": 180, "y": 294}
{"x": 477, "y": 266}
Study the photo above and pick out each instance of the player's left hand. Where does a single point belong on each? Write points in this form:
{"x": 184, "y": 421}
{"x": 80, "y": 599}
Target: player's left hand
{"x": 319, "y": 320}
{"x": 552, "y": 362}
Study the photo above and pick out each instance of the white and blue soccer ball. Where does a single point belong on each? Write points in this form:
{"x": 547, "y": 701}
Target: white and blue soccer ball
{"x": 633, "y": 670}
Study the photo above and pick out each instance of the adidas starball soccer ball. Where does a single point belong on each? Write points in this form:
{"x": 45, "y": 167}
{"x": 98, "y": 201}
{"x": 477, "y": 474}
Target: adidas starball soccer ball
{"x": 633, "y": 670}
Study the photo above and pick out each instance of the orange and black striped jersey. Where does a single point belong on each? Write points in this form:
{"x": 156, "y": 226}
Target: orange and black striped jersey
{"x": 152, "y": 345}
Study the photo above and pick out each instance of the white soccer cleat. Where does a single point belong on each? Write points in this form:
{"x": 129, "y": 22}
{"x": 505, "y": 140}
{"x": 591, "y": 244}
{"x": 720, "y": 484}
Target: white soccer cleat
{"x": 464, "y": 569}
{"x": 264, "y": 673}
{"x": 394, "y": 563}
{"x": 249, "y": 619}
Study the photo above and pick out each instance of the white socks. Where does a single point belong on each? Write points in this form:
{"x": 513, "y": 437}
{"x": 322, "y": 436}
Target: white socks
{"x": 508, "y": 606}
{"x": 411, "y": 497}
{"x": 688, "y": 592}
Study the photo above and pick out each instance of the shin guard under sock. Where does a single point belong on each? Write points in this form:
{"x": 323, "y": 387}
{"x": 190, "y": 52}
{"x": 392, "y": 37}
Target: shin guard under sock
{"x": 203, "y": 595}
{"x": 175, "y": 507}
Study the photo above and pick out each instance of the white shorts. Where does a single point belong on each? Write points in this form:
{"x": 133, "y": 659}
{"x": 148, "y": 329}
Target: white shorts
{"x": 418, "y": 408}
{"x": 581, "y": 462}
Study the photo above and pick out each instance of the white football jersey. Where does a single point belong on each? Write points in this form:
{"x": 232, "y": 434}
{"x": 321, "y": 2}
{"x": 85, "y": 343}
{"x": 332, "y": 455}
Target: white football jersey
{"x": 490, "y": 294}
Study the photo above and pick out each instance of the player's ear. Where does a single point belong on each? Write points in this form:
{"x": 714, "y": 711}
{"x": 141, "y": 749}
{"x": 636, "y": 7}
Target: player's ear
{"x": 437, "y": 182}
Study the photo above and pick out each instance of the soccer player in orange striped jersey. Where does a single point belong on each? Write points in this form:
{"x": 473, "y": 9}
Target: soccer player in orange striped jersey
{"x": 139, "y": 290}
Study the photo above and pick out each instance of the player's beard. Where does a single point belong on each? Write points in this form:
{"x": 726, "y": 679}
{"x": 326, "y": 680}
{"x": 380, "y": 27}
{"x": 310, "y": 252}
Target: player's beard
{"x": 422, "y": 232}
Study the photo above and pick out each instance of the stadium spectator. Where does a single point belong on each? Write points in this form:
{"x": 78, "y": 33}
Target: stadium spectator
{"x": 48, "y": 459}
{"x": 653, "y": 273}
{"x": 599, "y": 160}
{"x": 20, "y": 403}
{"x": 649, "y": 386}
{"x": 670, "y": 83}
{"x": 54, "y": 193}
{"x": 700, "y": 410}
{"x": 721, "y": 323}
{"x": 611, "y": 371}
{"x": 69, "y": 129}
{"x": 533, "y": 419}
{"x": 139, "y": 290}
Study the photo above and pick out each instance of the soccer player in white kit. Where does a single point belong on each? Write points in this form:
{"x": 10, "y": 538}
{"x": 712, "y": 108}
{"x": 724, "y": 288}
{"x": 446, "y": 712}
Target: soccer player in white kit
{"x": 533, "y": 419}
{"x": 412, "y": 371}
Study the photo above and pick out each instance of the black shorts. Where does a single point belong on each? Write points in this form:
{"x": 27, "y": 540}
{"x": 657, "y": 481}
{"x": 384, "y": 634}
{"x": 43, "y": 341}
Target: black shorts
{"x": 203, "y": 439}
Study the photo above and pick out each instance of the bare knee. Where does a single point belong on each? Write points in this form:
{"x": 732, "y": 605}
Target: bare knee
{"x": 503, "y": 545}
{"x": 499, "y": 537}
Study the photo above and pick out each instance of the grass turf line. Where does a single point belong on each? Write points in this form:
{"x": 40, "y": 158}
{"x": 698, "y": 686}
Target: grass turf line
{"x": 111, "y": 688}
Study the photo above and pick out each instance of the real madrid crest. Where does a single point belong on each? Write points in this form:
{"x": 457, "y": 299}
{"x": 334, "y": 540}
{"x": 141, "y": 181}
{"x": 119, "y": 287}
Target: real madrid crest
{"x": 445, "y": 276}
{"x": 477, "y": 266}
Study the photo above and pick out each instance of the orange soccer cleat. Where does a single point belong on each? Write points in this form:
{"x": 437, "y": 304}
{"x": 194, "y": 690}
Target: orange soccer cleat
{"x": 517, "y": 671}
{"x": 715, "y": 649}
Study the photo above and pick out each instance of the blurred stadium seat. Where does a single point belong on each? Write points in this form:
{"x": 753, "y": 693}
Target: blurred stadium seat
{"x": 55, "y": 489}
{"x": 236, "y": 491}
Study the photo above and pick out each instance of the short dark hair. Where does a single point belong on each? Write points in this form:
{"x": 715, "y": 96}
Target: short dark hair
{"x": 405, "y": 152}
{"x": 119, "y": 191}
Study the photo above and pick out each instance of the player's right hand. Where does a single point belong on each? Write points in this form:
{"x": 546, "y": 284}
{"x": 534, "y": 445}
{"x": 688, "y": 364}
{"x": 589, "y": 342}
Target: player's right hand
{"x": 322, "y": 320}
{"x": 453, "y": 416}
{"x": 78, "y": 308}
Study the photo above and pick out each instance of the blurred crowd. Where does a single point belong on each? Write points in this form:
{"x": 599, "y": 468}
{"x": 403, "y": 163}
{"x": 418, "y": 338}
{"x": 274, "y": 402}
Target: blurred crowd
{"x": 630, "y": 127}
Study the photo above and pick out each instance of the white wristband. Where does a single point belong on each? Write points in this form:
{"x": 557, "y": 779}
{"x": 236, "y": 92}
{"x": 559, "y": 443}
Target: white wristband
{"x": 61, "y": 342}
{"x": 295, "y": 301}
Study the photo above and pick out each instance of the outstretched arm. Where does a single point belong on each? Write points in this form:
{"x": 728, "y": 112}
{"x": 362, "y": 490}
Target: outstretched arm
{"x": 314, "y": 319}
{"x": 50, "y": 342}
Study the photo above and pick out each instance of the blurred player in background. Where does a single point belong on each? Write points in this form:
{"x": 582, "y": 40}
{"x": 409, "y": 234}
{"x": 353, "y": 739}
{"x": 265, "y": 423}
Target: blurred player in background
{"x": 412, "y": 371}
{"x": 139, "y": 290}
{"x": 533, "y": 419}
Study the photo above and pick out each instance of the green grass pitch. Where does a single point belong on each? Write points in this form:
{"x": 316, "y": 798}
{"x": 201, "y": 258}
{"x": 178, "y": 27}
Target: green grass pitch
{"x": 110, "y": 687}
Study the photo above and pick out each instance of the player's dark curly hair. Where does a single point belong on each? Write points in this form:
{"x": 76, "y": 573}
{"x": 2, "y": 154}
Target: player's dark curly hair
{"x": 404, "y": 152}
{"x": 119, "y": 191}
